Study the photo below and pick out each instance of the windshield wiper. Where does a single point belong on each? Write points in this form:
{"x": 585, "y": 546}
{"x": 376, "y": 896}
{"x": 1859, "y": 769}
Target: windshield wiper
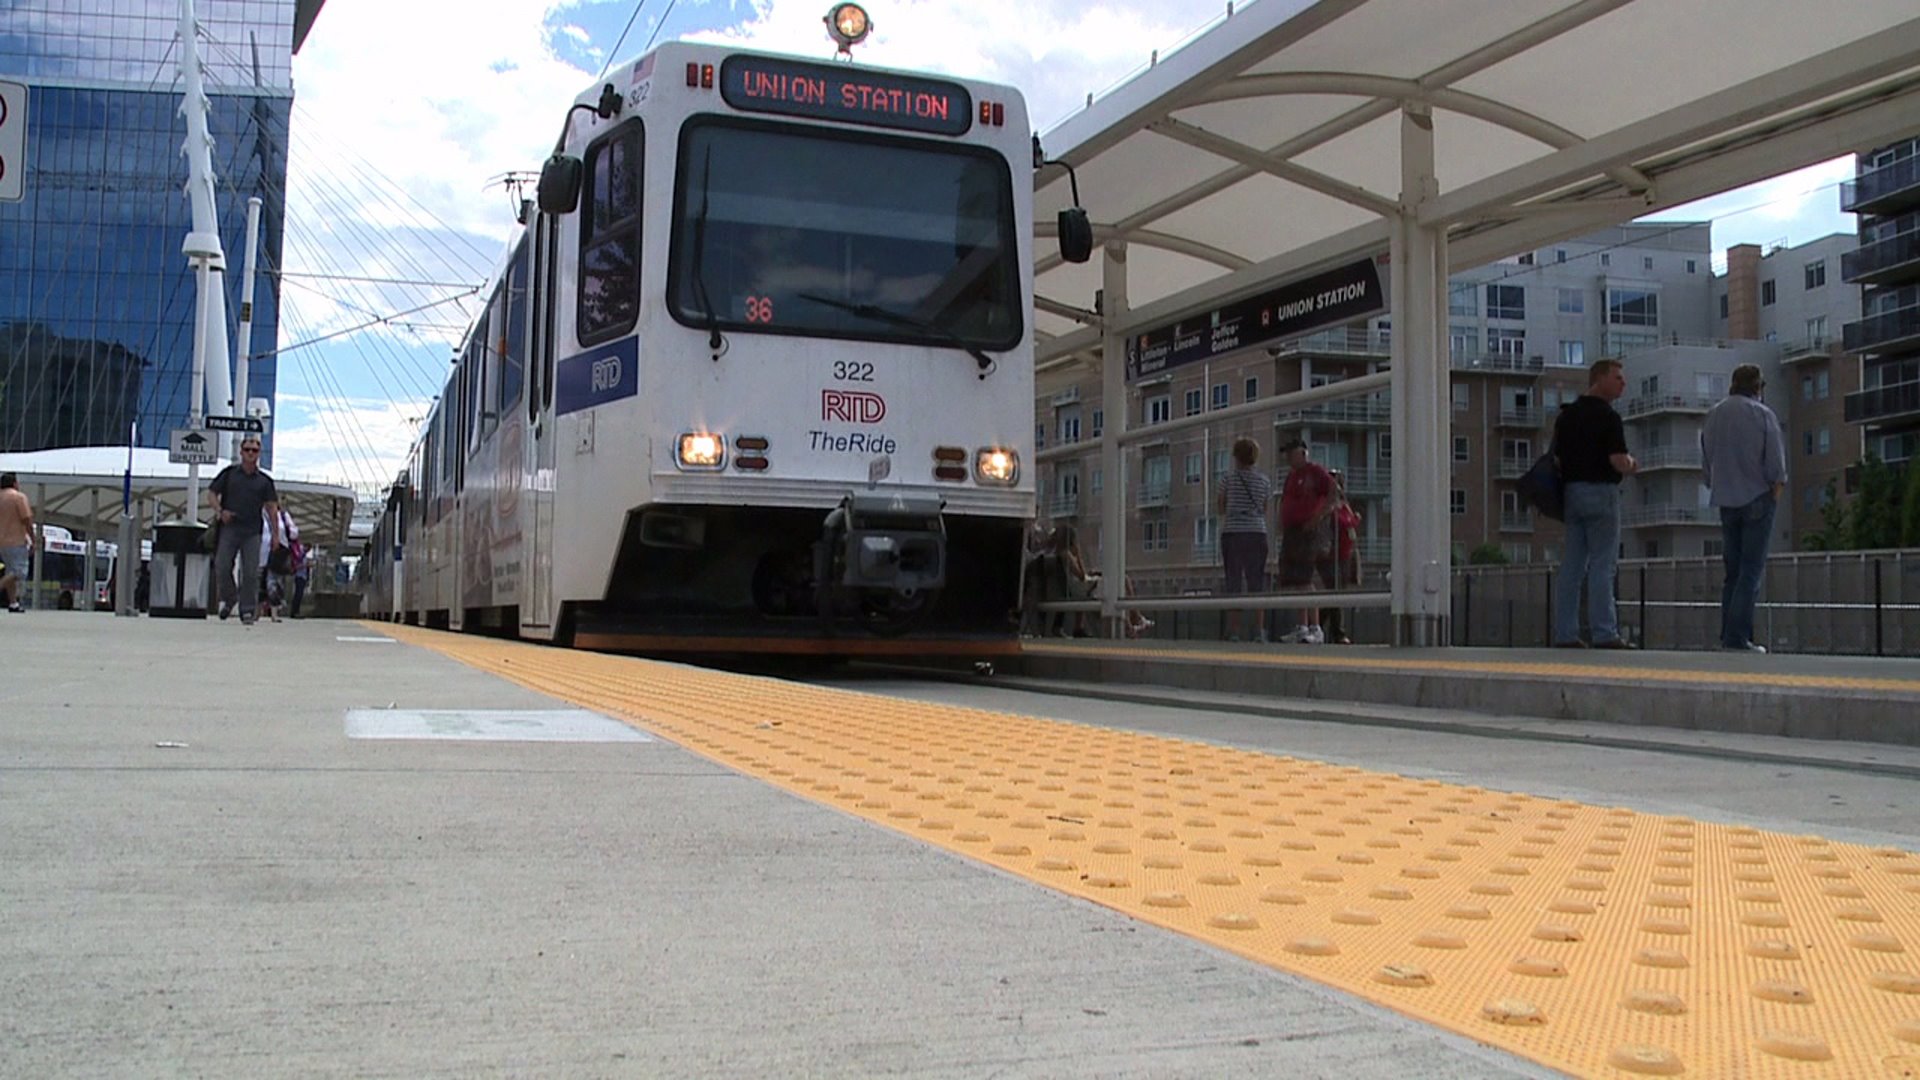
{"x": 894, "y": 318}
{"x": 699, "y": 256}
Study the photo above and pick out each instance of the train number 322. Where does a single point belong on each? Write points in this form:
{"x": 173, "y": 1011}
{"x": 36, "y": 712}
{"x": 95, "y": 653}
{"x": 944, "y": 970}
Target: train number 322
{"x": 852, "y": 371}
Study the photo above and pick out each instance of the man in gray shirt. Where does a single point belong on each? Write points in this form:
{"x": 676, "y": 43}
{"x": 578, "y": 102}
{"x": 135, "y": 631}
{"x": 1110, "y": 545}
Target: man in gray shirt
{"x": 1746, "y": 465}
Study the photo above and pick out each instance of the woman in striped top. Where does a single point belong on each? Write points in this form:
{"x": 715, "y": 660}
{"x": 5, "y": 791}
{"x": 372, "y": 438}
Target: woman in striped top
{"x": 1243, "y": 501}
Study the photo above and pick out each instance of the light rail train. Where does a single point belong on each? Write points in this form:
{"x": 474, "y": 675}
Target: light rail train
{"x": 755, "y": 376}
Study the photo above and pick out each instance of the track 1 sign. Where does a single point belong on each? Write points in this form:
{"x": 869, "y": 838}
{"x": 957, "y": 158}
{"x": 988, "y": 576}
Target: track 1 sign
{"x": 192, "y": 446}
{"x": 251, "y": 424}
{"x": 13, "y": 142}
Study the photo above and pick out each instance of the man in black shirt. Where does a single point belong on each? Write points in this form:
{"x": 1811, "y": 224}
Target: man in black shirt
{"x": 1590, "y": 444}
{"x": 244, "y": 499}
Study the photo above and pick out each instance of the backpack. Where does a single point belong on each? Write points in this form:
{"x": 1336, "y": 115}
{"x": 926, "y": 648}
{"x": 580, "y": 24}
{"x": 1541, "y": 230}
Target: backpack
{"x": 1542, "y": 489}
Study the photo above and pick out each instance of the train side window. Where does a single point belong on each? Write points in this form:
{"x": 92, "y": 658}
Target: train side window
{"x": 609, "y": 287}
{"x": 512, "y": 318}
{"x": 448, "y": 438}
{"x": 473, "y": 373}
{"x": 550, "y": 240}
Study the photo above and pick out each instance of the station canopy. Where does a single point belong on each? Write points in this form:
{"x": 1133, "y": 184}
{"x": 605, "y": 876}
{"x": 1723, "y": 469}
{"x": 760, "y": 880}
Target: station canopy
{"x": 67, "y": 486}
{"x": 1269, "y": 146}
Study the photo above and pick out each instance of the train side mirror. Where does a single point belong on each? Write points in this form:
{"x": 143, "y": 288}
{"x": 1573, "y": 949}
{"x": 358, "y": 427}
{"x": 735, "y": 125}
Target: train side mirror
{"x": 559, "y": 189}
{"x": 1076, "y": 235}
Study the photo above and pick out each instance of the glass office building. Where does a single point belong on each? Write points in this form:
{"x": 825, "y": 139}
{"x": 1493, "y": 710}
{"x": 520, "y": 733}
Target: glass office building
{"x": 96, "y": 299}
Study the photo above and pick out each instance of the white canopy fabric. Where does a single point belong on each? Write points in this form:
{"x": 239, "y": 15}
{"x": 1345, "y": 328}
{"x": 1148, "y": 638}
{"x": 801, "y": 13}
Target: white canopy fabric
{"x": 67, "y": 485}
{"x": 1269, "y": 146}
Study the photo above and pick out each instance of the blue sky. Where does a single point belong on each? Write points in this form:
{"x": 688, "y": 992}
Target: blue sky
{"x": 399, "y": 150}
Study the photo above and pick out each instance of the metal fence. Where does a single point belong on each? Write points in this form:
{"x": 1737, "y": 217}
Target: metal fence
{"x": 1863, "y": 603}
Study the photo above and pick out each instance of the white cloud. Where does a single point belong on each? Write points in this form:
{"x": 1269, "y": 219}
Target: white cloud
{"x": 358, "y": 441}
{"x": 1055, "y": 51}
{"x": 1793, "y": 208}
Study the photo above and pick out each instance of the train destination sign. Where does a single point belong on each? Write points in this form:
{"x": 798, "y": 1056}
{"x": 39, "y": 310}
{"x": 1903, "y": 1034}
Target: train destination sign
{"x": 847, "y": 94}
{"x": 1299, "y": 307}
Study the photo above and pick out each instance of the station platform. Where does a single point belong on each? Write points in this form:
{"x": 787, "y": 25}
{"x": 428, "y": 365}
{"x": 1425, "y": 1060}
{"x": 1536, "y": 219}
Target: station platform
{"x": 1792, "y": 695}
{"x": 346, "y": 848}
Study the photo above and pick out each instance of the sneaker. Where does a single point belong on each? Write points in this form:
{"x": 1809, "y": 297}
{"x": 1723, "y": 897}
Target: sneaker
{"x": 1748, "y": 647}
{"x": 275, "y": 616}
{"x": 226, "y": 610}
{"x": 1616, "y": 643}
{"x": 16, "y": 609}
{"x": 1299, "y": 635}
{"x": 248, "y": 619}
{"x": 1315, "y": 636}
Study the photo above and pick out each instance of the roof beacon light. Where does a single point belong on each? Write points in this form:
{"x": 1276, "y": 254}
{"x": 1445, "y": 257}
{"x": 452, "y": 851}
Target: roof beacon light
{"x": 848, "y": 25}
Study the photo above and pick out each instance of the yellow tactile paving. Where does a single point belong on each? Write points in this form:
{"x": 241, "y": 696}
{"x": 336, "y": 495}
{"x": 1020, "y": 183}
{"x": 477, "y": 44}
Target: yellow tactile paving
{"x": 1625, "y": 671}
{"x": 1596, "y": 940}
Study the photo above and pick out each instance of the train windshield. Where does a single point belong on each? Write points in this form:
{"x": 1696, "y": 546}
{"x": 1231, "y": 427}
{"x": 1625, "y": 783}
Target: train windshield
{"x": 791, "y": 230}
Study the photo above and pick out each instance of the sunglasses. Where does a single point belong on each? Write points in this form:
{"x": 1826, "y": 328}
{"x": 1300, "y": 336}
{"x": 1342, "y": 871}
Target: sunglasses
{"x": 249, "y": 449}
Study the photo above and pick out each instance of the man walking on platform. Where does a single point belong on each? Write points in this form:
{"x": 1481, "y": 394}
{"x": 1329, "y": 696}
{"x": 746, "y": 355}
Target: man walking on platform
{"x": 1745, "y": 460}
{"x": 1590, "y": 445}
{"x": 16, "y": 538}
{"x": 239, "y": 495}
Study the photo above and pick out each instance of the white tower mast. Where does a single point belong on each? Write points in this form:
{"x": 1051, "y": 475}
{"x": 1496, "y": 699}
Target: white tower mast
{"x": 204, "y": 255}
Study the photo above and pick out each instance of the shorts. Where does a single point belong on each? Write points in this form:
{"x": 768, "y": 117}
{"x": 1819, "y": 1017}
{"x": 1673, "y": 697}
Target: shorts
{"x": 16, "y": 560}
{"x": 1300, "y": 549}
{"x": 1245, "y": 556}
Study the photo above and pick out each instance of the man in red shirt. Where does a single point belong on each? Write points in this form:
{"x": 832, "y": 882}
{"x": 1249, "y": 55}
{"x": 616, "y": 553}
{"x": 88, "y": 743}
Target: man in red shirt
{"x": 1306, "y": 533}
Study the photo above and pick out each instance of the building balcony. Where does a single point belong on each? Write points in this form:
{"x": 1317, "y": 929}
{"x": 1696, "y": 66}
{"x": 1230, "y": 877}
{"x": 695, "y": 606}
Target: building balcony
{"x": 1522, "y": 416}
{"x": 1516, "y": 521}
{"x": 1883, "y": 262}
{"x": 1342, "y": 341}
{"x": 1648, "y": 404}
{"x": 1206, "y": 552}
{"x": 1897, "y": 401}
{"x": 1148, "y": 496}
{"x": 1356, "y": 412}
{"x": 1499, "y": 363}
{"x": 1886, "y": 332}
{"x": 1064, "y": 506}
{"x": 1642, "y": 517}
{"x": 1669, "y": 457}
{"x": 1514, "y": 468}
{"x": 1884, "y": 190}
{"x": 1365, "y": 483}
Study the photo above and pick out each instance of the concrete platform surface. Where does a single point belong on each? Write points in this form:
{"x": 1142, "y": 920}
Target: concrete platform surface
{"x": 201, "y": 874}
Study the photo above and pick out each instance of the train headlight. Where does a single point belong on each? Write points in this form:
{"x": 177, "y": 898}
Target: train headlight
{"x": 848, "y": 25}
{"x": 996, "y": 465}
{"x": 701, "y": 450}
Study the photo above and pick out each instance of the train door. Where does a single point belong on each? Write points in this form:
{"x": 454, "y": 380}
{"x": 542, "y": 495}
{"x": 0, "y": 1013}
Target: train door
{"x": 537, "y": 612}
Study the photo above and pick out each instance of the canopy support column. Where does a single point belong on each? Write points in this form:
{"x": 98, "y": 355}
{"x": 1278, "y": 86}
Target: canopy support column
{"x": 1113, "y": 394}
{"x": 1422, "y": 534}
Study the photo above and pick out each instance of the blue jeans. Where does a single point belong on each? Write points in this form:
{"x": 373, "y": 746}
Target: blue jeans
{"x": 1593, "y": 551}
{"x": 1746, "y": 530}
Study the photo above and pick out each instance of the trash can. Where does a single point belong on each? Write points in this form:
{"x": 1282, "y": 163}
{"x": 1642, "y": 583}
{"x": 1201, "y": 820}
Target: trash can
{"x": 181, "y": 570}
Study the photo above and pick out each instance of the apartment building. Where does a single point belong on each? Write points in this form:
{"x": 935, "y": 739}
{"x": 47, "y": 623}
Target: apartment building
{"x": 1885, "y": 193}
{"x": 1522, "y": 334}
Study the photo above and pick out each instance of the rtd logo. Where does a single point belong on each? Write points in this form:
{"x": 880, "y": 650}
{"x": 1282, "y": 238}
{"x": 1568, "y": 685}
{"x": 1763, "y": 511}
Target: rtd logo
{"x": 852, "y": 406}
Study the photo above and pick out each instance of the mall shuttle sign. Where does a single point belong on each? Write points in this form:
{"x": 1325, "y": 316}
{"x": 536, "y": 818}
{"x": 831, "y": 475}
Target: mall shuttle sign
{"x": 13, "y": 142}
{"x": 1336, "y": 296}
